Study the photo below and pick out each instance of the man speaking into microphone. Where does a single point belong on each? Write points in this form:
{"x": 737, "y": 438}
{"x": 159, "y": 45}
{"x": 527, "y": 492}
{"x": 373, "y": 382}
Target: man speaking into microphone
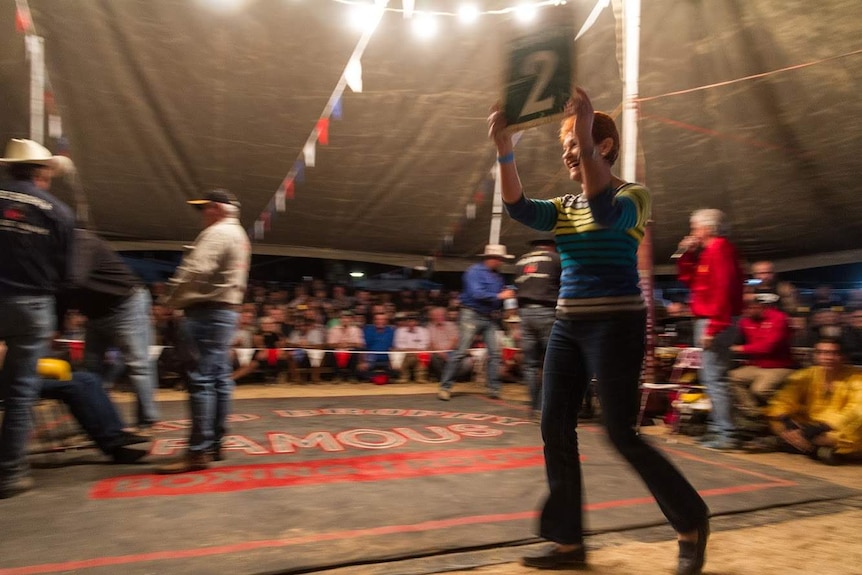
{"x": 709, "y": 265}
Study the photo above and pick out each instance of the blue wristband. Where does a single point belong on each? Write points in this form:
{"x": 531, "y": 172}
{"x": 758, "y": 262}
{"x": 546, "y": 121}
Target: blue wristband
{"x": 507, "y": 159}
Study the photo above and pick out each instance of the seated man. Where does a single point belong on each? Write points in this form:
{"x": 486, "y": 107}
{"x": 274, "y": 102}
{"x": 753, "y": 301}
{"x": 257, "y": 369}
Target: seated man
{"x": 344, "y": 338}
{"x": 411, "y": 337}
{"x": 96, "y": 414}
{"x": 819, "y": 410}
{"x": 767, "y": 336}
{"x": 379, "y": 337}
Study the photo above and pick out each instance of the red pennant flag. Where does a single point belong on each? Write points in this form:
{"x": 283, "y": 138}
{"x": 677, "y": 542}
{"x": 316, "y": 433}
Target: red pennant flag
{"x": 23, "y": 22}
{"x": 323, "y": 131}
{"x": 288, "y": 189}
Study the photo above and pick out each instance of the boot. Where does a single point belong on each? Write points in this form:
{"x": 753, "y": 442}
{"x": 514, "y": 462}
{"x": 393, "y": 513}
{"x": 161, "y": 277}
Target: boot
{"x": 191, "y": 461}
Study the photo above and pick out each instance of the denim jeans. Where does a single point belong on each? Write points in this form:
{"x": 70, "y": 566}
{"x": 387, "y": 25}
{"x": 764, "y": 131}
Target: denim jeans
{"x": 129, "y": 329}
{"x": 91, "y": 407}
{"x": 714, "y": 365}
{"x": 536, "y": 324}
{"x": 208, "y": 333}
{"x": 471, "y": 323}
{"x": 26, "y": 324}
{"x": 612, "y": 348}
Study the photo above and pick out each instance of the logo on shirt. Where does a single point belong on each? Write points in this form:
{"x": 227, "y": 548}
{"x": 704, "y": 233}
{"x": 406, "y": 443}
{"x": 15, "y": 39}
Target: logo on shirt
{"x": 14, "y": 214}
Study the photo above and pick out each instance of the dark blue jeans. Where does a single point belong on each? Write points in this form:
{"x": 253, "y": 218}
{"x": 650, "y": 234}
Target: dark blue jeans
{"x": 91, "y": 407}
{"x": 207, "y": 333}
{"x": 612, "y": 348}
{"x": 536, "y": 324}
{"x": 26, "y": 323}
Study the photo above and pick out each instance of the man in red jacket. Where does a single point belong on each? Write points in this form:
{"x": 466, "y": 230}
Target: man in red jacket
{"x": 709, "y": 265}
{"x": 767, "y": 337}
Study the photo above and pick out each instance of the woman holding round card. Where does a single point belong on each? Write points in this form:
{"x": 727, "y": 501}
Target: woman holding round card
{"x": 600, "y": 330}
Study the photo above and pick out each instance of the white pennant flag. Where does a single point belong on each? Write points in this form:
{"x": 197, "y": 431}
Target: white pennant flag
{"x": 309, "y": 152}
{"x": 279, "y": 200}
{"x": 156, "y": 351}
{"x": 315, "y": 356}
{"x": 479, "y": 353}
{"x": 397, "y": 358}
{"x": 353, "y": 75}
{"x": 244, "y": 355}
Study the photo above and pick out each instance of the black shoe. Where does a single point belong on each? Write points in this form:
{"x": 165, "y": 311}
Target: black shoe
{"x": 556, "y": 559}
{"x": 16, "y": 486}
{"x": 124, "y": 455}
{"x": 692, "y": 555}
{"x": 216, "y": 452}
{"x": 130, "y": 438}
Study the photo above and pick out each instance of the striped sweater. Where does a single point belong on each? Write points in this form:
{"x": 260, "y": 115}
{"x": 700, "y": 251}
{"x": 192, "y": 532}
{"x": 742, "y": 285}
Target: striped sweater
{"x": 598, "y": 242}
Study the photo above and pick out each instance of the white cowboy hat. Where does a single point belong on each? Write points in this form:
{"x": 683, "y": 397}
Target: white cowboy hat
{"x": 27, "y": 152}
{"x": 496, "y": 251}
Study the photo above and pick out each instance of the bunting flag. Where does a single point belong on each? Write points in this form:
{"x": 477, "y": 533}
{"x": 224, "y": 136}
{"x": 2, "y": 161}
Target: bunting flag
{"x": 298, "y": 172}
{"x": 244, "y": 355}
{"x": 266, "y": 218}
{"x": 397, "y": 359}
{"x": 471, "y": 211}
{"x": 336, "y": 109}
{"x": 315, "y": 357}
{"x": 353, "y": 75}
{"x": 308, "y": 153}
{"x": 23, "y": 20}
{"x": 258, "y": 229}
{"x": 279, "y": 200}
{"x": 289, "y": 191}
{"x": 55, "y": 126}
{"x": 323, "y": 131}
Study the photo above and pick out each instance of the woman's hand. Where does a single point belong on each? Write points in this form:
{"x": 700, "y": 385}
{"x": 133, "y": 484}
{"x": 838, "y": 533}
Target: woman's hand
{"x": 584, "y": 113}
{"x": 497, "y": 125}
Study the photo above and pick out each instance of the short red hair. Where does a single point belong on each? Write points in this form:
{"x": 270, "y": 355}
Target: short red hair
{"x": 603, "y": 127}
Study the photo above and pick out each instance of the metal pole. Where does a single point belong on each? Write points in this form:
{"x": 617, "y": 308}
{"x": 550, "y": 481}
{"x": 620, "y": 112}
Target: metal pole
{"x": 36, "y": 52}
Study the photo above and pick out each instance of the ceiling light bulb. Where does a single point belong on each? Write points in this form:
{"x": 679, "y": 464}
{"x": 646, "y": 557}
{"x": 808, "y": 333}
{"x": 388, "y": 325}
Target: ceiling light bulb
{"x": 424, "y": 25}
{"x": 525, "y": 12}
{"x": 468, "y": 13}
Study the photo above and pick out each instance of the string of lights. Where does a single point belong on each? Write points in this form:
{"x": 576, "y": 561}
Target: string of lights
{"x": 467, "y": 11}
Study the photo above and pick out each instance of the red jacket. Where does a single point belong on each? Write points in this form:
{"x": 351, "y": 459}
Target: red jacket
{"x": 715, "y": 279}
{"x": 767, "y": 340}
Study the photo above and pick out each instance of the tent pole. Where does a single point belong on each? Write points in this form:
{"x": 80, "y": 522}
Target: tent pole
{"x": 36, "y": 53}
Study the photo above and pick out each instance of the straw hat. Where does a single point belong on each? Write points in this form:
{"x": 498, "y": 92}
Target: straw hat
{"x": 27, "y": 152}
{"x": 496, "y": 251}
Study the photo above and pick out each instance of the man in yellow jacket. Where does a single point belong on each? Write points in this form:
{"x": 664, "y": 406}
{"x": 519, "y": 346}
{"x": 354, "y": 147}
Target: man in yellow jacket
{"x": 819, "y": 410}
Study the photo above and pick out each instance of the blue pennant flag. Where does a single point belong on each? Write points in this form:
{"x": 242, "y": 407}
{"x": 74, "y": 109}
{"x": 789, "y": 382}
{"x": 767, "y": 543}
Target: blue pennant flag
{"x": 336, "y": 110}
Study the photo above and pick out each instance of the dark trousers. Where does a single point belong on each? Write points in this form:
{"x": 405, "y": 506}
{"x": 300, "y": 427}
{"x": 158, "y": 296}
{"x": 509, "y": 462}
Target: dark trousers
{"x": 613, "y": 350}
{"x": 90, "y": 406}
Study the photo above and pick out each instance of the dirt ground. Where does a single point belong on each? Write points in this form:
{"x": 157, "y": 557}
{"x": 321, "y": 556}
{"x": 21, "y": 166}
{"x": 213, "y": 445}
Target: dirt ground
{"x": 818, "y": 539}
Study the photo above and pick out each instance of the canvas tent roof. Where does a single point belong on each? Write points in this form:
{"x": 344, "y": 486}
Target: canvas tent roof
{"x": 162, "y": 98}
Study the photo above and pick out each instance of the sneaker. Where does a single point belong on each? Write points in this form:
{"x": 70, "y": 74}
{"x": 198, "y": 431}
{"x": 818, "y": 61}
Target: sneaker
{"x": 191, "y": 461}
{"x": 16, "y": 486}
{"x": 444, "y": 395}
{"x": 555, "y": 559}
{"x": 827, "y": 455}
{"x": 720, "y": 444}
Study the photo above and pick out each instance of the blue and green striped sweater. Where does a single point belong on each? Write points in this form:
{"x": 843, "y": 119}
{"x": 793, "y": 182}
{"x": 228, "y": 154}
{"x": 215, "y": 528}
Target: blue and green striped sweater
{"x": 597, "y": 241}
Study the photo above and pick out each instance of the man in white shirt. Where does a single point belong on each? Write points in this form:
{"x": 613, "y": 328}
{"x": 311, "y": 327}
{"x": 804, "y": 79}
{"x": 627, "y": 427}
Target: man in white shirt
{"x": 411, "y": 337}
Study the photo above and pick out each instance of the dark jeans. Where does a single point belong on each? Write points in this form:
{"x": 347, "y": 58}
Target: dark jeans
{"x": 91, "y": 407}
{"x": 536, "y": 324}
{"x": 613, "y": 350}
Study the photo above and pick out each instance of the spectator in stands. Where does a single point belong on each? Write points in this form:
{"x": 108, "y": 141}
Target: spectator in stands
{"x": 710, "y": 266}
{"x": 379, "y": 338}
{"x": 482, "y": 298}
{"x": 344, "y": 337}
{"x": 819, "y": 410}
{"x": 852, "y": 334}
{"x": 443, "y": 338}
{"x": 825, "y": 298}
{"x": 411, "y": 338}
{"x": 763, "y": 274}
{"x": 272, "y": 357}
{"x": 36, "y": 241}
{"x": 766, "y": 334}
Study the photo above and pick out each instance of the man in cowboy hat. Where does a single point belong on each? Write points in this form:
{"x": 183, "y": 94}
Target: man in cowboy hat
{"x": 482, "y": 298}
{"x": 35, "y": 241}
{"x": 538, "y": 284}
{"x": 209, "y": 285}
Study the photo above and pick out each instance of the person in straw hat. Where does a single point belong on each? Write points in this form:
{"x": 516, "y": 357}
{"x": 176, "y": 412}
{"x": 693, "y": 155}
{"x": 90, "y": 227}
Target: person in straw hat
{"x": 600, "y": 331}
{"x": 36, "y": 231}
{"x": 482, "y": 296}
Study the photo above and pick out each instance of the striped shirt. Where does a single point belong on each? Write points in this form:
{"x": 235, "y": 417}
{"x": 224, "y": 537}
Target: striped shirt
{"x": 598, "y": 242}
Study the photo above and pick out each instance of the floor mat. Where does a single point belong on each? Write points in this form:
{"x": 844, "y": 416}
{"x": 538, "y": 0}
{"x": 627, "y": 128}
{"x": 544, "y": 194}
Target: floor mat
{"x": 311, "y": 483}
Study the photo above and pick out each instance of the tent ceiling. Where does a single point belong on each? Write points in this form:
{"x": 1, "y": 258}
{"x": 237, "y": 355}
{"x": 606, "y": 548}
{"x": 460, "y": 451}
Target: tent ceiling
{"x": 163, "y": 98}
